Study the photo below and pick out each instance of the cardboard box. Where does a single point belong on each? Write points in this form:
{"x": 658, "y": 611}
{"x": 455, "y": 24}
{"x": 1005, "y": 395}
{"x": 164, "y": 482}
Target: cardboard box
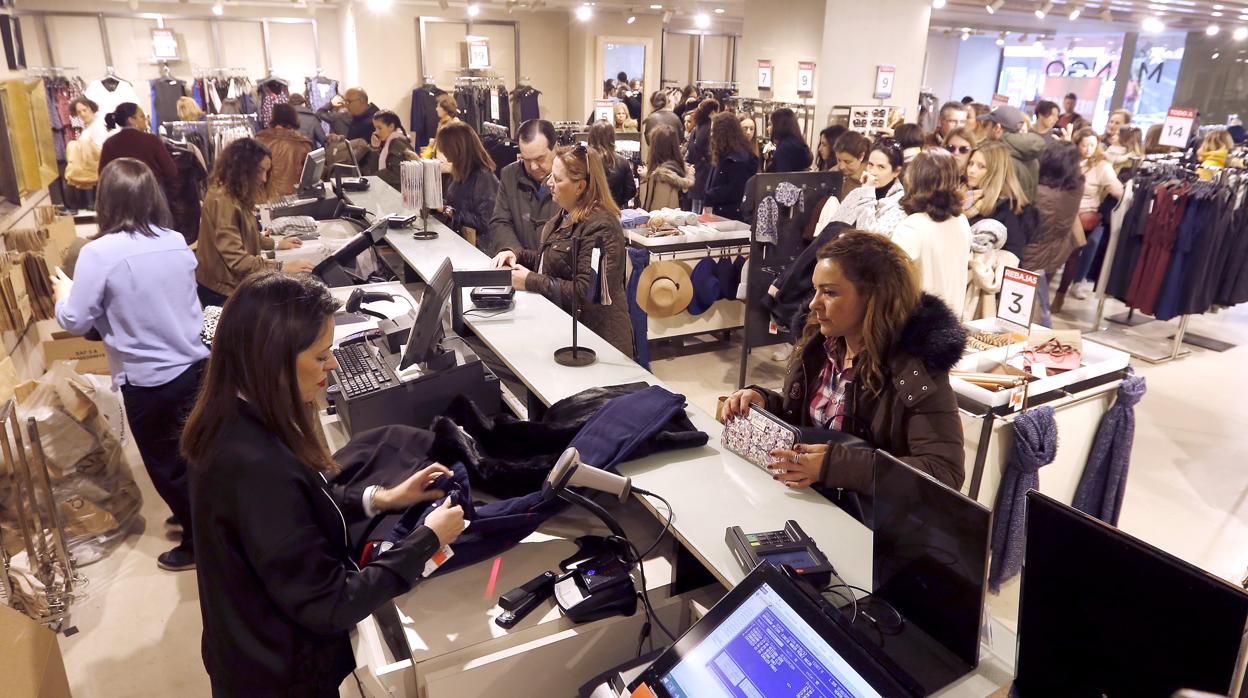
{"x": 30, "y": 658}
{"x": 59, "y": 345}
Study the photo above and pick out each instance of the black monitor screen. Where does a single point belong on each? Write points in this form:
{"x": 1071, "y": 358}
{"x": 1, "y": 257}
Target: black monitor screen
{"x": 427, "y": 331}
{"x": 1102, "y": 613}
{"x": 313, "y": 170}
{"x": 330, "y": 268}
{"x": 930, "y": 555}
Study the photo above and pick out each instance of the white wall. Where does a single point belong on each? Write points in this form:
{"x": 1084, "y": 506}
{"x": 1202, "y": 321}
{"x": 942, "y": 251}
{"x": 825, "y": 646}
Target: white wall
{"x": 784, "y": 38}
{"x": 979, "y": 64}
{"x": 942, "y": 62}
{"x": 858, "y": 36}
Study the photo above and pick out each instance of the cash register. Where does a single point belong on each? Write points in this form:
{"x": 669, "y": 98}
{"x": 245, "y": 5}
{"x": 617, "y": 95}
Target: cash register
{"x": 311, "y": 198}
{"x": 374, "y": 386}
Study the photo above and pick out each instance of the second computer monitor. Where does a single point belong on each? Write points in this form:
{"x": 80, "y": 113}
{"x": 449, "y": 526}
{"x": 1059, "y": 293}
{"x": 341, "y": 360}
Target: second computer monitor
{"x": 422, "y": 343}
{"x": 313, "y": 170}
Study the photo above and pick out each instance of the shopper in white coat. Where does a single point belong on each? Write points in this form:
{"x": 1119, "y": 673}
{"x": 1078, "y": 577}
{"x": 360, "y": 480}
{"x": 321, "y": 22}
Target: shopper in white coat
{"x": 935, "y": 233}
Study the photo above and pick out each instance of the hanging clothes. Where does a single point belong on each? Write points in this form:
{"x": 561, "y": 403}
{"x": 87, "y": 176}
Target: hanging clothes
{"x": 524, "y": 105}
{"x": 424, "y": 117}
{"x": 109, "y": 92}
{"x": 185, "y": 191}
{"x": 319, "y": 91}
{"x": 165, "y": 95}
{"x": 271, "y": 92}
{"x": 66, "y": 127}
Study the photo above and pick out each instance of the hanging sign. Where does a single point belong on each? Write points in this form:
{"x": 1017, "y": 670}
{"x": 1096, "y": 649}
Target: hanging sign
{"x": 164, "y": 45}
{"x": 868, "y": 120}
{"x": 478, "y": 52}
{"x": 1177, "y": 128}
{"x": 999, "y": 100}
{"x": 604, "y": 110}
{"x": 805, "y": 78}
{"x": 1018, "y": 295}
{"x": 764, "y": 75}
{"x": 885, "y": 75}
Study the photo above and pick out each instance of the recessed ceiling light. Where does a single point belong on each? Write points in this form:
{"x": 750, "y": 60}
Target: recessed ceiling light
{"x": 719, "y": 10}
{"x": 656, "y": 7}
{"x": 584, "y": 12}
{"x": 937, "y": 4}
{"x": 1212, "y": 30}
{"x": 1074, "y": 14}
{"x": 1153, "y": 25}
{"x": 1217, "y": 7}
{"x": 1215, "y": 56}
{"x": 701, "y": 20}
{"x": 1216, "y": 14}
{"x": 217, "y": 9}
{"x": 1240, "y": 33}
{"x": 474, "y": 10}
{"x": 631, "y": 19}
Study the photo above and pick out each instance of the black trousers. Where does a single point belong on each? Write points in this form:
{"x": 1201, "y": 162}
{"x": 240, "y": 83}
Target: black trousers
{"x": 156, "y": 415}
{"x": 209, "y": 297}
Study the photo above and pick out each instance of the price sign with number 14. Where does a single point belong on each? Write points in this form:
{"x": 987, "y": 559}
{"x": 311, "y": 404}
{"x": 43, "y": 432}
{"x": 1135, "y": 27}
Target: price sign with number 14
{"x": 1178, "y": 127}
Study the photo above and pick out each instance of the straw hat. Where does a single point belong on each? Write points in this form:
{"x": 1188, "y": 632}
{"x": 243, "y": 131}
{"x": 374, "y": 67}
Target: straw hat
{"x": 664, "y": 289}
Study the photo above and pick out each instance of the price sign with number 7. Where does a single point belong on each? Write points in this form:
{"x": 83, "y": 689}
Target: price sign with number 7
{"x": 1018, "y": 296}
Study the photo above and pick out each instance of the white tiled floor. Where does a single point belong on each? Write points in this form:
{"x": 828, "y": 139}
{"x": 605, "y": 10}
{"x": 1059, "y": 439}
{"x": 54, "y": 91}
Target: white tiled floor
{"x": 139, "y": 627}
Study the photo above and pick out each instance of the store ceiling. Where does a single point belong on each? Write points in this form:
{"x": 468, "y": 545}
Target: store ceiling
{"x": 1124, "y": 15}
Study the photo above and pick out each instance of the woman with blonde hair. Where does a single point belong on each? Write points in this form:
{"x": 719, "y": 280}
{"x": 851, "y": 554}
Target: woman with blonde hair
{"x": 188, "y": 110}
{"x": 1099, "y": 181}
{"x": 623, "y": 120}
{"x": 994, "y": 193}
{"x": 590, "y": 221}
{"x": 1213, "y": 152}
{"x": 1127, "y": 148}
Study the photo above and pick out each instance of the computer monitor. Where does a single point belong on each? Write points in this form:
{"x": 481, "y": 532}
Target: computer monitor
{"x": 768, "y": 638}
{"x": 930, "y": 566}
{"x": 313, "y": 170}
{"x": 423, "y": 342}
{"x": 333, "y": 270}
{"x": 1103, "y": 613}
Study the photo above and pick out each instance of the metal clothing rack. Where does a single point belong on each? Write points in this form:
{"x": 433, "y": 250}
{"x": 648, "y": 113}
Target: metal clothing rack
{"x": 51, "y": 72}
{"x": 766, "y": 107}
{"x": 698, "y": 250}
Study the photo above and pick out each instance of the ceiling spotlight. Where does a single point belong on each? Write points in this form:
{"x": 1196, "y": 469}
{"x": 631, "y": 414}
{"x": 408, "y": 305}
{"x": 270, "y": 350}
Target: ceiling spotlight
{"x": 701, "y": 20}
{"x": 1212, "y": 30}
{"x": 667, "y": 16}
{"x": 1240, "y": 33}
{"x": 217, "y": 9}
{"x": 1216, "y": 14}
{"x": 1215, "y": 55}
{"x": 719, "y": 10}
{"x": 1074, "y": 14}
{"x": 1001, "y": 38}
{"x": 631, "y": 19}
{"x": 937, "y": 4}
{"x": 474, "y": 10}
{"x": 993, "y": 6}
{"x": 966, "y": 35}
{"x": 656, "y": 7}
{"x": 1153, "y": 25}
{"x": 1044, "y": 9}
{"x": 584, "y": 12}
{"x": 1217, "y": 7}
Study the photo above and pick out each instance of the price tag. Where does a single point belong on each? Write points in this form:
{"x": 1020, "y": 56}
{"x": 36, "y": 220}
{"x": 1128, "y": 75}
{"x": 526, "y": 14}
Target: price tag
{"x": 885, "y": 75}
{"x": 805, "y": 78}
{"x": 164, "y": 44}
{"x": 1018, "y": 295}
{"x": 478, "y": 53}
{"x": 999, "y": 100}
{"x": 764, "y": 75}
{"x": 604, "y": 110}
{"x": 494, "y": 115}
{"x": 1177, "y": 129}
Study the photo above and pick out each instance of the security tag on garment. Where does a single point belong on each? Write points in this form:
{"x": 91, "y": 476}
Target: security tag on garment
{"x": 1016, "y": 399}
{"x": 439, "y": 558}
{"x": 773, "y": 328}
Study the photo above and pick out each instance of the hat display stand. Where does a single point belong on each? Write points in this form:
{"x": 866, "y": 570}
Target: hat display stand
{"x": 575, "y": 356}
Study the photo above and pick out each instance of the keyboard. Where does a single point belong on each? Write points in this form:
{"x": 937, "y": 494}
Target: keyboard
{"x": 359, "y": 372}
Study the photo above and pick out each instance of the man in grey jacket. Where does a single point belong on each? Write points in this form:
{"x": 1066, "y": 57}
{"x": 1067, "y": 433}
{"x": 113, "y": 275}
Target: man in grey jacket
{"x": 1006, "y": 124}
{"x": 524, "y": 203}
{"x": 309, "y": 123}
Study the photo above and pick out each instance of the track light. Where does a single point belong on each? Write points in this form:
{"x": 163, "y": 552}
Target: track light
{"x": 1022, "y": 38}
{"x": 380, "y": 5}
{"x": 1212, "y": 30}
{"x": 1153, "y": 25}
{"x": 966, "y": 35}
{"x": 701, "y": 20}
{"x": 1001, "y": 38}
{"x": 584, "y": 12}
{"x": 217, "y": 9}
{"x": 631, "y": 19}
{"x": 993, "y": 6}
{"x": 1044, "y": 9}
{"x": 1074, "y": 14}
{"x": 474, "y": 10}
{"x": 937, "y": 4}
{"x": 1240, "y": 34}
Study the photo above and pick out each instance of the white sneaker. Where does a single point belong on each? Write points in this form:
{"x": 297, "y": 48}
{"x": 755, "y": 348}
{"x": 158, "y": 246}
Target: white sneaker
{"x": 782, "y": 353}
{"x": 1081, "y": 290}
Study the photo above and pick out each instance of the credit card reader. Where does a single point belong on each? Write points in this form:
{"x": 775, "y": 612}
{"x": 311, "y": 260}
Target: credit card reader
{"x": 790, "y": 546}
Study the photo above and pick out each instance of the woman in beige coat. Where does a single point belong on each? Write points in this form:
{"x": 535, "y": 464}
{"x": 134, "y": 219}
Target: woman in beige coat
{"x": 665, "y": 176}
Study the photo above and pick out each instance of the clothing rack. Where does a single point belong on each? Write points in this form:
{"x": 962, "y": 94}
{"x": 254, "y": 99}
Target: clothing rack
{"x": 1158, "y": 167}
{"x": 764, "y": 108}
{"x": 51, "y": 72}
{"x": 730, "y": 250}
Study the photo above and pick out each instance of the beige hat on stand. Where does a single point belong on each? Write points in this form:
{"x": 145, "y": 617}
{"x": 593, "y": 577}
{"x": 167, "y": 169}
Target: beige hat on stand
{"x": 664, "y": 288}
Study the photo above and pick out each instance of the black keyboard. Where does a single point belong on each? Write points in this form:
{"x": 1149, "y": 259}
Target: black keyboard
{"x": 359, "y": 372}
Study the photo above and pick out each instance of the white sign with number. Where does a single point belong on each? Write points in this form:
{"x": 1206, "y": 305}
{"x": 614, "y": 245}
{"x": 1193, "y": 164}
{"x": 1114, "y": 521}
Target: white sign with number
{"x": 805, "y": 77}
{"x": 604, "y": 110}
{"x": 478, "y": 53}
{"x": 885, "y": 75}
{"x": 1177, "y": 129}
{"x": 164, "y": 44}
{"x": 1018, "y": 295}
{"x": 764, "y": 75}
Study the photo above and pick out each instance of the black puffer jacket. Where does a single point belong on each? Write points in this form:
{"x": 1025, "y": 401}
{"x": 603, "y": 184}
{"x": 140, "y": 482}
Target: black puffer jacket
{"x": 473, "y": 200}
{"x": 914, "y": 416}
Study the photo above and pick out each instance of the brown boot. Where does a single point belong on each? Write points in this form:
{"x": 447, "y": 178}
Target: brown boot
{"x": 1058, "y": 301}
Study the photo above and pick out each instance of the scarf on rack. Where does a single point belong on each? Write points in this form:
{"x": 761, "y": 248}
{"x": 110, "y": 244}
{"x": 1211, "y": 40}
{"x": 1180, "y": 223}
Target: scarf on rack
{"x": 1104, "y": 480}
{"x": 1035, "y": 446}
{"x": 385, "y": 148}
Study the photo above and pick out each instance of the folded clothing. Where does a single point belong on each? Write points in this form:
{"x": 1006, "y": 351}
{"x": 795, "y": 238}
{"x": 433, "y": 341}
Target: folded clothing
{"x": 293, "y": 225}
{"x": 633, "y": 218}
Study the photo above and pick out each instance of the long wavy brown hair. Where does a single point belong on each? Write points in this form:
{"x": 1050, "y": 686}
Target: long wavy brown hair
{"x": 882, "y": 273}
{"x": 727, "y": 137}
{"x": 584, "y": 164}
{"x": 238, "y": 172}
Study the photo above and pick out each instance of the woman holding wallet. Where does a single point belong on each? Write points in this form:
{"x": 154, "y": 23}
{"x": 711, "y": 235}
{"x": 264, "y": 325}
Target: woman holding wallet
{"x": 873, "y": 363}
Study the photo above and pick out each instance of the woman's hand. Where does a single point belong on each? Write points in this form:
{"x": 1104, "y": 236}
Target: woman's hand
{"x": 738, "y": 404}
{"x": 519, "y": 277}
{"x": 61, "y": 285}
{"x": 446, "y": 522}
{"x": 798, "y": 468}
{"x": 506, "y": 258}
{"x": 289, "y": 243}
{"x": 1068, "y": 132}
{"x": 375, "y": 141}
{"x": 414, "y": 490}
{"x": 298, "y": 266}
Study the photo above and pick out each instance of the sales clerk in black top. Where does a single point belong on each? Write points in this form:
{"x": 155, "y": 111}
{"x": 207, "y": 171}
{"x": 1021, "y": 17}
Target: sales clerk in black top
{"x": 873, "y": 361}
{"x": 277, "y": 587}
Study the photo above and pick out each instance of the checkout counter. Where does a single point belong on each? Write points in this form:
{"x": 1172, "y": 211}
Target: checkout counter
{"x": 440, "y": 639}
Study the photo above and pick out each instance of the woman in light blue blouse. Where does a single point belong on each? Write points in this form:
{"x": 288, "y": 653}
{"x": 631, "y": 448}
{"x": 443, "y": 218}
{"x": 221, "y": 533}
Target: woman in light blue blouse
{"x": 135, "y": 284}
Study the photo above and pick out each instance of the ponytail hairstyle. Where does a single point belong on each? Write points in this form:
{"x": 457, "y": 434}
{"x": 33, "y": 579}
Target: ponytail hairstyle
{"x": 121, "y": 115}
{"x": 389, "y": 118}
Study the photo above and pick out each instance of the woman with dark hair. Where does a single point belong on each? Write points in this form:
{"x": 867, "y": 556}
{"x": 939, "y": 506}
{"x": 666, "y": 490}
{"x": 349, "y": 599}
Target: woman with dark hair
{"x": 474, "y": 188}
{"x": 135, "y": 284}
{"x": 732, "y": 165}
{"x": 912, "y": 139}
{"x": 230, "y": 243}
{"x": 876, "y": 205}
{"x": 750, "y": 128}
{"x": 688, "y": 101}
{"x": 664, "y": 177}
{"x": 390, "y": 146}
{"x": 620, "y": 177}
{"x": 935, "y": 233}
{"x": 279, "y": 590}
{"x": 873, "y": 362}
{"x": 289, "y": 148}
{"x": 791, "y": 153}
{"x": 1099, "y": 182}
{"x": 565, "y": 258}
{"x": 825, "y": 155}
{"x": 851, "y": 150}
{"x": 699, "y": 152}
{"x": 133, "y": 141}
{"x": 1058, "y": 195}
{"x": 661, "y": 115}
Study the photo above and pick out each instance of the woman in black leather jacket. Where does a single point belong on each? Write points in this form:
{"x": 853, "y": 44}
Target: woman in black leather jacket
{"x": 474, "y": 188}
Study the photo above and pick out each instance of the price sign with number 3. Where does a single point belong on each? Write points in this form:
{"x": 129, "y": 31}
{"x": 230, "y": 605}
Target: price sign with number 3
{"x": 1018, "y": 295}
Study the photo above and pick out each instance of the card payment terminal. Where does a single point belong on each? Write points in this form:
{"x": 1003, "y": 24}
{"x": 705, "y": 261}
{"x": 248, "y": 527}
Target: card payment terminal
{"x": 790, "y": 546}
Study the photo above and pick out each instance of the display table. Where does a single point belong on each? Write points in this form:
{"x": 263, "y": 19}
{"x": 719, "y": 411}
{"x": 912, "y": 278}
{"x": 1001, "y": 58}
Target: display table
{"x": 709, "y": 488}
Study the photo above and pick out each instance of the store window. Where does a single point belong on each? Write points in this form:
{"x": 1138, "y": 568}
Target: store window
{"x": 1084, "y": 64}
{"x": 1154, "y": 76}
